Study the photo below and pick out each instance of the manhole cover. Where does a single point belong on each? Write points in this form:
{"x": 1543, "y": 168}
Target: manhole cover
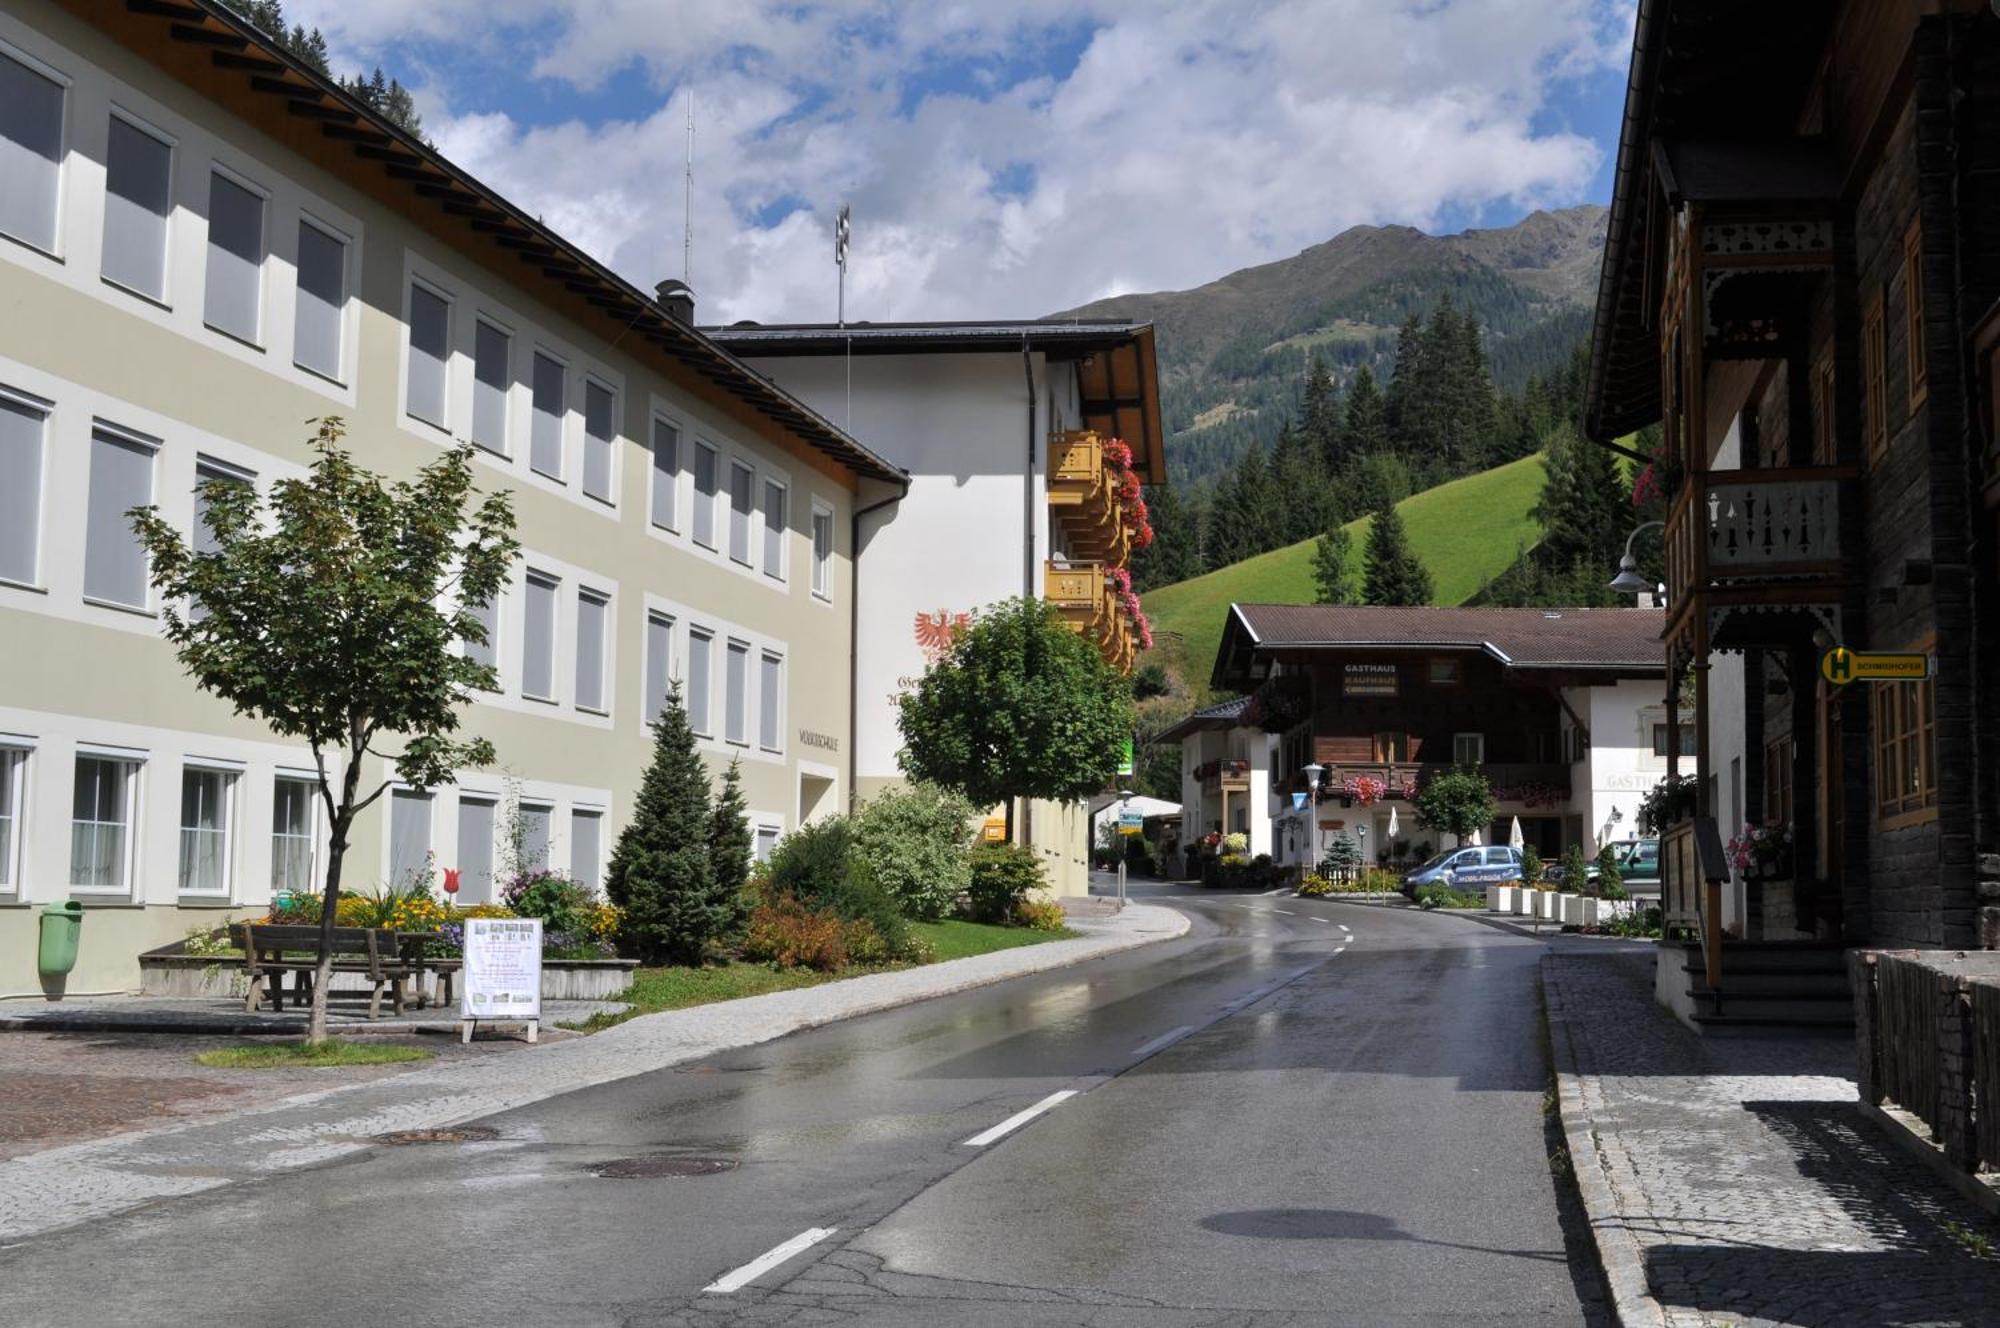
{"x": 464, "y": 1134}
{"x": 649, "y": 1168}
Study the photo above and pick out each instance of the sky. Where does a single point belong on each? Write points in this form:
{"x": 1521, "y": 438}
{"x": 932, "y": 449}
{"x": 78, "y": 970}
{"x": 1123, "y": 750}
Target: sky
{"x": 1003, "y": 158}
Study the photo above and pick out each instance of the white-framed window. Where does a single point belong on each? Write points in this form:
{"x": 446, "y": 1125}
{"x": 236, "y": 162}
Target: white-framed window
{"x": 121, "y": 478}
{"x": 319, "y": 316}
{"x": 1468, "y": 749}
{"x": 593, "y": 616}
{"x": 666, "y": 493}
{"x": 770, "y": 701}
{"x": 475, "y": 848}
{"x": 13, "y": 798}
{"x": 233, "y": 291}
{"x": 736, "y": 700}
{"x": 775, "y": 517}
{"x": 766, "y": 841}
{"x": 430, "y": 354}
{"x": 538, "y": 637}
{"x": 208, "y": 797}
{"x": 659, "y": 663}
{"x": 409, "y": 836}
{"x": 103, "y": 809}
{"x": 549, "y": 387}
{"x": 293, "y": 803}
{"x": 742, "y": 499}
{"x": 586, "y": 846}
{"x": 23, "y": 422}
{"x": 600, "y": 432}
{"x": 822, "y": 575}
{"x": 492, "y": 378}
{"x": 706, "y": 468}
{"x": 208, "y": 472}
{"x": 537, "y": 820}
{"x": 138, "y": 200}
{"x": 31, "y": 152}
{"x": 486, "y": 652}
{"x": 701, "y": 650}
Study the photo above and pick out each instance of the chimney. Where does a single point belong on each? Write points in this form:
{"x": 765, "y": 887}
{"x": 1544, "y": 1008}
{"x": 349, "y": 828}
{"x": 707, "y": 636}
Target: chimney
{"x": 677, "y": 298}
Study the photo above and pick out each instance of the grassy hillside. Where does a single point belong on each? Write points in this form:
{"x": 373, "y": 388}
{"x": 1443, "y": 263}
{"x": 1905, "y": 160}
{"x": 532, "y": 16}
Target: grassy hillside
{"x": 1467, "y": 532}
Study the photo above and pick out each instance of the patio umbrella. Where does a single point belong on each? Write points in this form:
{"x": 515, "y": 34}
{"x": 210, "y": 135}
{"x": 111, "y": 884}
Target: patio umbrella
{"x": 1393, "y": 829}
{"x": 1475, "y": 838}
{"x": 1515, "y": 837}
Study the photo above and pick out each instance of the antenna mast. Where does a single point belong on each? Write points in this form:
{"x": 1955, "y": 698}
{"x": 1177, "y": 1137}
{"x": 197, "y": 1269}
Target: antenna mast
{"x": 687, "y": 199}
{"x": 842, "y": 227}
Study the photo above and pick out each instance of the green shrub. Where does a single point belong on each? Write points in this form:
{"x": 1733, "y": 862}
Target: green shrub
{"x": 1531, "y": 864}
{"x": 661, "y": 877}
{"x": 1610, "y": 880}
{"x": 914, "y": 841}
{"x": 1315, "y": 886}
{"x": 1140, "y": 859}
{"x": 811, "y": 863}
{"x": 1637, "y": 923}
{"x": 1377, "y": 881}
{"x": 789, "y": 933}
{"x": 566, "y": 907}
{"x": 1042, "y": 915}
{"x": 1003, "y": 877}
{"x": 1576, "y": 870}
{"x": 1443, "y": 896}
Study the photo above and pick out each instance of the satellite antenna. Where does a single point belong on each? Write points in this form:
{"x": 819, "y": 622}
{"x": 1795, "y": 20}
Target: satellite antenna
{"x": 687, "y": 199}
{"x": 843, "y": 227}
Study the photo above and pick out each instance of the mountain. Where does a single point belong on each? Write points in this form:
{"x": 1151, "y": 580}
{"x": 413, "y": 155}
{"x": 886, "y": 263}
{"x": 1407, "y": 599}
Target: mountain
{"x": 1233, "y": 353}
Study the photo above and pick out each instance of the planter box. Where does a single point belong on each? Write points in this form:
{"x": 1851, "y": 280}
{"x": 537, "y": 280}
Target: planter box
{"x": 166, "y": 972}
{"x": 1500, "y": 898}
{"x": 1570, "y": 909}
{"x": 1548, "y": 906}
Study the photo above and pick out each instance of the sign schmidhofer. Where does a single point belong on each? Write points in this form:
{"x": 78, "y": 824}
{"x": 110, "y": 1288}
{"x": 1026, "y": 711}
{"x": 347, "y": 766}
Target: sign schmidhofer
{"x": 503, "y": 973}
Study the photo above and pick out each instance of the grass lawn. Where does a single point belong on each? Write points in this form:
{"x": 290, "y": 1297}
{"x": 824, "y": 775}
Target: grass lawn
{"x": 1467, "y": 532}
{"x": 656, "y": 989}
{"x": 300, "y": 1055}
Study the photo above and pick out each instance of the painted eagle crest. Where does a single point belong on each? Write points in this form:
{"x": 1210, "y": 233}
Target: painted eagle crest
{"x": 934, "y": 632}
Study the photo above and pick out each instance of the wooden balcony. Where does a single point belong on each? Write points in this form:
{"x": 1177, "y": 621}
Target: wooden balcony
{"x": 1082, "y": 594}
{"x": 1224, "y": 776}
{"x": 1083, "y": 493}
{"x": 1763, "y": 538}
{"x": 1535, "y": 784}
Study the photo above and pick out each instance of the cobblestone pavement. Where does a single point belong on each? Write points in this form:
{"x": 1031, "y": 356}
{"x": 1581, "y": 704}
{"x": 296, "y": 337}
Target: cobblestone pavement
{"x": 1736, "y": 1181}
{"x": 63, "y": 1186}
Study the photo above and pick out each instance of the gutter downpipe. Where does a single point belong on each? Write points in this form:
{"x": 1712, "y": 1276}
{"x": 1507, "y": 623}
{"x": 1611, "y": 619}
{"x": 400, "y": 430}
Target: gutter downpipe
{"x": 1027, "y": 555}
{"x": 854, "y": 644}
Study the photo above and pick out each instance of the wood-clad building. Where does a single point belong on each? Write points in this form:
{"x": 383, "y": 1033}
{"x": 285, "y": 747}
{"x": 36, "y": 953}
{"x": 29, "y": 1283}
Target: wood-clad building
{"x": 1800, "y": 287}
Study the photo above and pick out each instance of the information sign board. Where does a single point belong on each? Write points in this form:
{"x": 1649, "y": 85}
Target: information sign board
{"x": 503, "y": 969}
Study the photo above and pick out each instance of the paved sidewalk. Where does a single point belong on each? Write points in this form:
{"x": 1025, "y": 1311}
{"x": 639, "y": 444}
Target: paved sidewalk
{"x": 223, "y": 1015}
{"x": 65, "y": 1186}
{"x": 1734, "y": 1181}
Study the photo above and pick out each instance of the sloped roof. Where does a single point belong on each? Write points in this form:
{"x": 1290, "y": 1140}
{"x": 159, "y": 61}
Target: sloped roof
{"x": 1221, "y": 715}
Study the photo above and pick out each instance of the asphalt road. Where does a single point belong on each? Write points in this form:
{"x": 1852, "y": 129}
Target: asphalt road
{"x": 1302, "y": 1112}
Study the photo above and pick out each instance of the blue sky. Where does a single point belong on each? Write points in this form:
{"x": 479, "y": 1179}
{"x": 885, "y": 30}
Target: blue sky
{"x": 1002, "y": 159}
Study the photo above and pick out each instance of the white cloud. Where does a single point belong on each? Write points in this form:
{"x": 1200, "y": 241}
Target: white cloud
{"x": 1191, "y": 138}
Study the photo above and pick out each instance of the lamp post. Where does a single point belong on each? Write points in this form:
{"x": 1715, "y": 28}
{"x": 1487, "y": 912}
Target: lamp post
{"x": 1361, "y": 835}
{"x": 1124, "y": 801}
{"x": 1312, "y": 774}
{"x": 1629, "y": 581}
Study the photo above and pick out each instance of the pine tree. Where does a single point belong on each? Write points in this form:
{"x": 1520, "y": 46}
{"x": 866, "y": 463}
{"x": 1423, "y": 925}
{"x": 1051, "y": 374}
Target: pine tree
{"x": 1469, "y": 381}
{"x": 729, "y": 849}
{"x": 1330, "y": 571}
{"x": 1255, "y": 508}
{"x": 1367, "y": 427}
{"x": 1223, "y": 540}
{"x": 1301, "y": 482}
{"x": 1395, "y": 575}
{"x": 1402, "y": 405}
{"x": 661, "y": 875}
{"x": 1320, "y": 417}
{"x": 1585, "y": 507}
{"x": 1175, "y": 553}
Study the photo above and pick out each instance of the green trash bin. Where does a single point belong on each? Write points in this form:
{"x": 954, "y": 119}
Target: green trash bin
{"x": 62, "y": 928}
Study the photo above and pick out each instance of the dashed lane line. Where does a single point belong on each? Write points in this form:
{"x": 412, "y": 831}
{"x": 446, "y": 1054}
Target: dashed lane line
{"x": 764, "y": 1263}
{"x": 1162, "y": 1042}
{"x": 1018, "y": 1119}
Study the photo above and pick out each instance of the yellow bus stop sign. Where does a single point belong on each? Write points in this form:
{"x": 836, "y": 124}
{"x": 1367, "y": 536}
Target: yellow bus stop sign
{"x": 1841, "y": 666}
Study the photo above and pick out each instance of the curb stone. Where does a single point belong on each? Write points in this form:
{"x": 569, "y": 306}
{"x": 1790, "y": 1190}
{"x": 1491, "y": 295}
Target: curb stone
{"x": 1618, "y": 1251}
{"x": 88, "y": 1181}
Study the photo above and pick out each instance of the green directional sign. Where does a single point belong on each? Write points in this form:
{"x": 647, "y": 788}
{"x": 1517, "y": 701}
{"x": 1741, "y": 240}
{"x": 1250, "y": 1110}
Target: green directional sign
{"x": 1841, "y": 666}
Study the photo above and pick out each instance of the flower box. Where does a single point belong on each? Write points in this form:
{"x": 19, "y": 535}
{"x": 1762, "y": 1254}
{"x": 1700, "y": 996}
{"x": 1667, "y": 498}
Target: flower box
{"x": 1500, "y": 898}
{"x": 1548, "y": 906}
{"x": 1570, "y": 909}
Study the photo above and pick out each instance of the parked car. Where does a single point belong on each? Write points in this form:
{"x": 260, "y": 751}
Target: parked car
{"x": 1467, "y": 868}
{"x": 1638, "y": 867}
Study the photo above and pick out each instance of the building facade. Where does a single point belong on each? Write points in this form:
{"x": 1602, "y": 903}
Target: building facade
{"x": 203, "y": 249}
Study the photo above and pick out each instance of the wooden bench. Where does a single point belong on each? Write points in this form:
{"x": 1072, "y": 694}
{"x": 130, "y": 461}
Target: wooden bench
{"x": 271, "y": 950}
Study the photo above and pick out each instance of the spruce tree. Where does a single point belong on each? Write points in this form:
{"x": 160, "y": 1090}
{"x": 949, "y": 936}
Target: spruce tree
{"x": 1320, "y": 417}
{"x": 1223, "y": 540}
{"x": 1367, "y": 428}
{"x": 1331, "y": 577}
{"x": 1175, "y": 553}
{"x": 1402, "y": 407}
{"x": 1585, "y": 507}
{"x": 1254, "y": 508}
{"x": 661, "y": 874}
{"x": 1395, "y": 574}
{"x": 1301, "y": 487}
{"x": 729, "y": 850}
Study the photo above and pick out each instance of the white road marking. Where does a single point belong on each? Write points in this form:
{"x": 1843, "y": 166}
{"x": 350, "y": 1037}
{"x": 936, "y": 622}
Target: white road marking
{"x": 1281, "y": 890}
{"x": 1340, "y": 949}
{"x": 1349, "y": 930}
{"x": 764, "y": 1263}
{"x": 1286, "y": 911}
{"x": 1163, "y": 1041}
{"x": 1018, "y": 1119}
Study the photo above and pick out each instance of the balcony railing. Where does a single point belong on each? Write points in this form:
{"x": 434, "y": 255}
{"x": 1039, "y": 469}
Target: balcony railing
{"x": 1082, "y": 593}
{"x": 1745, "y": 528}
{"x": 1083, "y": 492}
{"x": 1534, "y": 784}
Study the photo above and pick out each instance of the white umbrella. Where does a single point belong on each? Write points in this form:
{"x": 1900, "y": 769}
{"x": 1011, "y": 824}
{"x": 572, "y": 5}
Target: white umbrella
{"x": 1475, "y": 838}
{"x": 1515, "y": 837}
{"x": 1392, "y": 823}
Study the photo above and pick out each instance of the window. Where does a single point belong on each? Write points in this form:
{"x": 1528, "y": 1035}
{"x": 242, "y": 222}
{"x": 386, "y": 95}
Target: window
{"x": 475, "y": 849}
{"x": 201, "y": 538}
{"x": 538, "y": 638}
{"x": 1660, "y": 740}
{"x": 292, "y": 835}
{"x": 586, "y": 846}
{"x": 234, "y": 295}
{"x": 121, "y": 478}
{"x": 13, "y": 781}
{"x": 1875, "y": 392}
{"x": 705, "y": 462}
{"x": 486, "y": 652}
{"x": 767, "y": 842}
{"x": 204, "y": 858}
{"x": 659, "y": 663}
{"x": 1392, "y": 747}
{"x": 770, "y": 697}
{"x": 701, "y": 646}
{"x": 735, "y": 703}
{"x": 1468, "y": 749}
{"x": 536, "y": 819}
{"x": 409, "y": 837}
{"x": 31, "y": 134}
{"x": 545, "y": 433}
{"x": 21, "y": 427}
{"x": 320, "y": 314}
{"x": 600, "y": 428}
{"x": 1500, "y": 856}
{"x": 666, "y": 475}
{"x": 1822, "y": 409}
{"x": 742, "y": 482}
{"x": 100, "y": 848}
{"x": 592, "y": 611}
{"x": 822, "y": 581}
{"x": 138, "y": 199}
{"x": 430, "y": 354}
{"x": 774, "y": 529}
{"x": 1905, "y": 718}
{"x": 1445, "y": 673}
{"x": 1913, "y": 310}
{"x": 492, "y": 375}
{"x": 1778, "y": 781}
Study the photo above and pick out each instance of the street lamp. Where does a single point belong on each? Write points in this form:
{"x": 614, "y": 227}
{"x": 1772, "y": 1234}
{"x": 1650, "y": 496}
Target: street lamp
{"x": 1629, "y": 581}
{"x": 1124, "y": 801}
{"x": 1312, "y": 774}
